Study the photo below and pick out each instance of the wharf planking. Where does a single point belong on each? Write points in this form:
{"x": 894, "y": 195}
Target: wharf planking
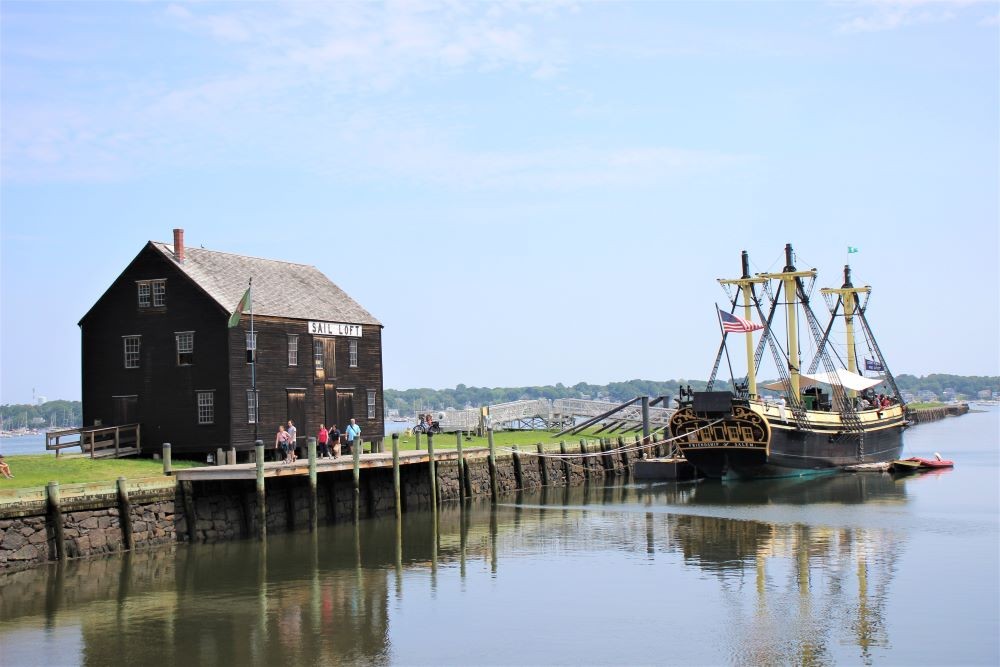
{"x": 301, "y": 467}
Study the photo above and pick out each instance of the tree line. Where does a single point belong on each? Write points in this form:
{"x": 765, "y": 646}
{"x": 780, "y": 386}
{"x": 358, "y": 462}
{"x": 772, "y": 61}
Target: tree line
{"x": 50, "y": 413}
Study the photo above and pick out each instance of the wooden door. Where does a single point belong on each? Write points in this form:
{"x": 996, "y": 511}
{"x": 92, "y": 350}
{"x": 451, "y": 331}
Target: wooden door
{"x": 329, "y": 358}
{"x": 124, "y": 410}
{"x": 345, "y": 408}
{"x": 297, "y": 413}
{"x": 330, "y": 405}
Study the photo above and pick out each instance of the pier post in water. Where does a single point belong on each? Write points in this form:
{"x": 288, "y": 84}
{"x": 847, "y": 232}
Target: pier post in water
{"x": 518, "y": 472}
{"x": 583, "y": 459}
{"x": 167, "y": 463}
{"x": 356, "y": 454}
{"x": 55, "y": 515}
{"x": 562, "y": 450}
{"x": 125, "y": 515}
{"x": 623, "y": 455}
{"x": 461, "y": 465}
{"x": 258, "y": 447}
{"x": 190, "y": 517}
{"x": 433, "y": 472}
{"x": 493, "y": 466}
{"x": 544, "y": 469}
{"x": 395, "y": 475}
{"x": 313, "y": 503}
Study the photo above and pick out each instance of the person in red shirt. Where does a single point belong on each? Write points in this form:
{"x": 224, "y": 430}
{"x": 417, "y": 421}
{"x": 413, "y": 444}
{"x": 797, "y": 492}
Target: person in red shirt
{"x": 323, "y": 438}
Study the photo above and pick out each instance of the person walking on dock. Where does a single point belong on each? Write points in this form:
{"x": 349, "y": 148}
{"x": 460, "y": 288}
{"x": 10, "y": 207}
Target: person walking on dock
{"x": 353, "y": 432}
{"x": 322, "y": 438}
{"x": 335, "y": 440}
{"x": 293, "y": 442}
{"x": 281, "y": 441}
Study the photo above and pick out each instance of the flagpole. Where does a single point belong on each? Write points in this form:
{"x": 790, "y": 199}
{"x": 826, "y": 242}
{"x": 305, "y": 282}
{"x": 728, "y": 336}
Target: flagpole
{"x": 253, "y": 366}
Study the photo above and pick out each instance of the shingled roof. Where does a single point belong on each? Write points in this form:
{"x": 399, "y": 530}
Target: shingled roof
{"x": 280, "y": 289}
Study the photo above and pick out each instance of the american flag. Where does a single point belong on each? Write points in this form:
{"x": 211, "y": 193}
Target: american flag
{"x": 734, "y": 324}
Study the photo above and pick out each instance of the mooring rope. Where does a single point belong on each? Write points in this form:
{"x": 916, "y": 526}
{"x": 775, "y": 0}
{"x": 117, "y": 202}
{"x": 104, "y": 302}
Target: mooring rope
{"x": 617, "y": 450}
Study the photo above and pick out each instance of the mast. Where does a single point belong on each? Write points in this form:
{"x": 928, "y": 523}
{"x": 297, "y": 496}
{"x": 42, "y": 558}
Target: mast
{"x": 745, "y": 284}
{"x": 789, "y": 278}
{"x": 849, "y": 295}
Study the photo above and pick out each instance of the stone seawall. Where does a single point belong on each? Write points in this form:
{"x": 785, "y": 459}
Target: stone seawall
{"x": 934, "y": 414}
{"x": 89, "y": 516}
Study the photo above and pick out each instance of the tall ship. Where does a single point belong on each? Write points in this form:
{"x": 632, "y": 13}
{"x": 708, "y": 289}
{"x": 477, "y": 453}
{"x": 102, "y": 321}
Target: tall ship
{"x": 812, "y": 419}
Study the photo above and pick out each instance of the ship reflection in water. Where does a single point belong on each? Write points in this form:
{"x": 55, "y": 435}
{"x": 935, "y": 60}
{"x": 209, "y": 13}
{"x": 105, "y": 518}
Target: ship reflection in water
{"x": 628, "y": 561}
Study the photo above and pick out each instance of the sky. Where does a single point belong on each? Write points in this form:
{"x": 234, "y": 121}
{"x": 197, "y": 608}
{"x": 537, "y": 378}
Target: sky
{"x": 522, "y": 193}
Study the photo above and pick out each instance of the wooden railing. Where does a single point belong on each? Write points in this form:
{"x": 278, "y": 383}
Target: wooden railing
{"x": 124, "y": 440}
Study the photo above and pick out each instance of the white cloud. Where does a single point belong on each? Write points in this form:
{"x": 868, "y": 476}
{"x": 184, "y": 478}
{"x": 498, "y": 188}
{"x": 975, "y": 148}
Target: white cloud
{"x": 885, "y": 15}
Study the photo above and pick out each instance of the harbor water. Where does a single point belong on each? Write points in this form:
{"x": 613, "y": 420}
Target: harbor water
{"x": 840, "y": 569}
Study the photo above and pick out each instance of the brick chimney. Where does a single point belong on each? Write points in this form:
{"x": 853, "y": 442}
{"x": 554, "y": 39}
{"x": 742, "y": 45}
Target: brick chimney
{"x": 179, "y": 244}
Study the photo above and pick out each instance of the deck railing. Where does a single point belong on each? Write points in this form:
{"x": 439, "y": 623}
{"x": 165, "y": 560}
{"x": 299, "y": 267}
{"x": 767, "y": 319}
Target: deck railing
{"x": 99, "y": 442}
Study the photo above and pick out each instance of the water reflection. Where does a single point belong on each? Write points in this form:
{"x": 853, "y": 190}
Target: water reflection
{"x": 328, "y": 596}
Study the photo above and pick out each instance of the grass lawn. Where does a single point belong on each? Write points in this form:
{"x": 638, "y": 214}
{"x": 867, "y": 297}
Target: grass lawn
{"x": 523, "y": 439}
{"x": 924, "y": 406}
{"x": 40, "y": 469}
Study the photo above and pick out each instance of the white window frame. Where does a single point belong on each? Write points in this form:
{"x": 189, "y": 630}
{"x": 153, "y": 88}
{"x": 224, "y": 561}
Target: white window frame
{"x": 253, "y": 406}
{"x": 371, "y": 404}
{"x": 159, "y": 293}
{"x": 352, "y": 352}
{"x": 252, "y": 344}
{"x": 185, "y": 345}
{"x": 319, "y": 358}
{"x": 145, "y": 294}
{"x": 132, "y": 357}
{"x": 206, "y": 406}
{"x": 293, "y": 349}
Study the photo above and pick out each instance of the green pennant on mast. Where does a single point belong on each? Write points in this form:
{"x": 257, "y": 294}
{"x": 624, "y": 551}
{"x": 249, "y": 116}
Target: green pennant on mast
{"x": 244, "y": 303}
{"x": 851, "y": 249}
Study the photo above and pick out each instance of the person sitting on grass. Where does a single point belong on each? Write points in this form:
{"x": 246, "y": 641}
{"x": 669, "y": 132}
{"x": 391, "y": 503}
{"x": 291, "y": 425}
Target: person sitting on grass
{"x": 5, "y": 469}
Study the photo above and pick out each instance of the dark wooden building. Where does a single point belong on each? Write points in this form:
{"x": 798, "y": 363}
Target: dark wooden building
{"x": 157, "y": 350}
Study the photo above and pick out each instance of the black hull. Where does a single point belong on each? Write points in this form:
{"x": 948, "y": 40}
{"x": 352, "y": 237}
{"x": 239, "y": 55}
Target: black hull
{"x": 779, "y": 449}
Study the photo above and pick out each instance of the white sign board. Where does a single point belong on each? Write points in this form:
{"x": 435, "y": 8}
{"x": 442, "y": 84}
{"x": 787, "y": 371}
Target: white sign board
{"x": 335, "y": 329}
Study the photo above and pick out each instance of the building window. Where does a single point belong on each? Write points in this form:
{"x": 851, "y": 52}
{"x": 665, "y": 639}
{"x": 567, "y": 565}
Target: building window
{"x": 371, "y": 405}
{"x": 251, "y": 347}
{"x": 159, "y": 293}
{"x": 293, "y": 350}
{"x": 206, "y": 407}
{"x": 352, "y": 349}
{"x": 132, "y": 351}
{"x": 144, "y": 295}
{"x": 152, "y": 293}
{"x": 185, "y": 348}
{"x": 318, "y": 357}
{"x": 252, "y": 398}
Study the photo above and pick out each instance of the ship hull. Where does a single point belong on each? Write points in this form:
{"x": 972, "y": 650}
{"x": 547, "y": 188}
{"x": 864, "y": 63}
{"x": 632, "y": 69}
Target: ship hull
{"x": 754, "y": 441}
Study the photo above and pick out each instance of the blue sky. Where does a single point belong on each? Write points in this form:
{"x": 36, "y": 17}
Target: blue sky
{"x": 522, "y": 193}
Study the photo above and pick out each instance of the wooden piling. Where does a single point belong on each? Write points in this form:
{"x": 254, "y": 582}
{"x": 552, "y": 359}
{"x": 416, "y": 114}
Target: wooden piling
{"x": 187, "y": 494}
{"x": 167, "y": 462}
{"x": 609, "y": 464}
{"x": 125, "y": 515}
{"x": 639, "y": 451}
{"x": 356, "y": 453}
{"x": 566, "y": 464}
{"x": 261, "y": 498}
{"x": 395, "y": 476}
{"x": 518, "y": 472}
{"x": 56, "y": 517}
{"x": 493, "y": 466}
{"x": 543, "y": 469}
{"x": 416, "y": 440}
{"x": 231, "y": 456}
{"x": 461, "y": 465}
{"x": 583, "y": 459}
{"x": 433, "y": 471}
{"x": 220, "y": 456}
{"x": 313, "y": 499}
{"x": 623, "y": 455}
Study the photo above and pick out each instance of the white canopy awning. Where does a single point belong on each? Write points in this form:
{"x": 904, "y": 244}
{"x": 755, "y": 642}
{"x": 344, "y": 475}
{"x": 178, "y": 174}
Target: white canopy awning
{"x": 842, "y": 377}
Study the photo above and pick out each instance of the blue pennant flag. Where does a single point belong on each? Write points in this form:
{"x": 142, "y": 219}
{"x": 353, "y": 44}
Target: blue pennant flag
{"x": 872, "y": 365}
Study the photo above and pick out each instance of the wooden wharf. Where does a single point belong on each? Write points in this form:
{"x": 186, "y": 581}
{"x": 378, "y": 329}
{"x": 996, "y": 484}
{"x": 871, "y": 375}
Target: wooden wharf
{"x": 340, "y": 464}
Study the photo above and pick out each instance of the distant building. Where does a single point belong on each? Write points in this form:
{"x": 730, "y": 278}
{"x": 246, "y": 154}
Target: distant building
{"x": 157, "y": 350}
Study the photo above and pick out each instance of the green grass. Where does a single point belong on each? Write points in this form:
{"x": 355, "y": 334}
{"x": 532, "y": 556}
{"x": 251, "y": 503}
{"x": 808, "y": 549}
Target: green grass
{"x": 924, "y": 406}
{"x": 523, "y": 439}
{"x": 40, "y": 469}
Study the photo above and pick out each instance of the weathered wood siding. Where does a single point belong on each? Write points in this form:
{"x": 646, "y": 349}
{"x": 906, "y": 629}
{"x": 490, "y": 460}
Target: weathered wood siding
{"x": 275, "y": 378}
{"x": 167, "y": 393}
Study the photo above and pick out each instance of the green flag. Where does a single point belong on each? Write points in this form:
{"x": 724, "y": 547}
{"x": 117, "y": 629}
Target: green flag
{"x": 851, "y": 249}
{"x": 244, "y": 303}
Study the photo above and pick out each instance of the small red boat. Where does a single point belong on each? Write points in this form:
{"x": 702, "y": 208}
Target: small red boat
{"x": 919, "y": 463}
